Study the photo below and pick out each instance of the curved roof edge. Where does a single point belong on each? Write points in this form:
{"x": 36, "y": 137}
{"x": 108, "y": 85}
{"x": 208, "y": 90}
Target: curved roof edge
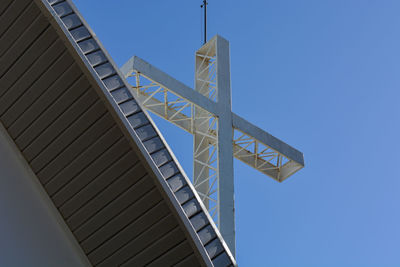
{"x": 107, "y": 80}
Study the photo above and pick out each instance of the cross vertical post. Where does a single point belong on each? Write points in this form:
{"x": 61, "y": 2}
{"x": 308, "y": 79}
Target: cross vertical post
{"x": 225, "y": 149}
{"x": 212, "y": 79}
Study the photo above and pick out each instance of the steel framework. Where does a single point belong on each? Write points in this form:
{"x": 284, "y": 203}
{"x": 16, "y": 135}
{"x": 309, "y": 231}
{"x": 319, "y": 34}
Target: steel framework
{"x": 218, "y": 133}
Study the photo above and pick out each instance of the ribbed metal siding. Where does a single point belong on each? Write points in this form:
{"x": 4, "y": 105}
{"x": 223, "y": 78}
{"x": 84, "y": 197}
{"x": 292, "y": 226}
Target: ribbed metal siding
{"x": 79, "y": 153}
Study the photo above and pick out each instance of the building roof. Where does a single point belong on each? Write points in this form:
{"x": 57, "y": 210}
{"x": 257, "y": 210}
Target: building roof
{"x": 98, "y": 155}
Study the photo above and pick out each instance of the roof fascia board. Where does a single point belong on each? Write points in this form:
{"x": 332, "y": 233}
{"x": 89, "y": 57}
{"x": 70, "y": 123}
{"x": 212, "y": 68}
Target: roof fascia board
{"x": 129, "y": 132}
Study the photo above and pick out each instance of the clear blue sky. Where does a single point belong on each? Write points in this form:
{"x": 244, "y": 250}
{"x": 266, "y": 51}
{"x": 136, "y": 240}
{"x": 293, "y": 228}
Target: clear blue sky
{"x": 320, "y": 75}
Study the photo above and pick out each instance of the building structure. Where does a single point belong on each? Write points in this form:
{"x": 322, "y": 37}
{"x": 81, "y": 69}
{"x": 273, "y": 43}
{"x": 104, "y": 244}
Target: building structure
{"x": 83, "y": 154}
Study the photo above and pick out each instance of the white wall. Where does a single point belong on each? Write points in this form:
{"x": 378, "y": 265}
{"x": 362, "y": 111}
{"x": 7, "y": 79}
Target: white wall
{"x": 32, "y": 232}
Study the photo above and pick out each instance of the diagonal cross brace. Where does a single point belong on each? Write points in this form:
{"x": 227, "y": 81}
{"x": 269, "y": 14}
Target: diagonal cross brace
{"x": 295, "y": 157}
{"x": 218, "y": 133}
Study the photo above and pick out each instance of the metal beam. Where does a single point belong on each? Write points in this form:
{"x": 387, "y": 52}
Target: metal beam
{"x": 225, "y": 140}
{"x": 219, "y": 134}
{"x": 167, "y": 81}
{"x": 268, "y": 139}
{"x": 135, "y": 64}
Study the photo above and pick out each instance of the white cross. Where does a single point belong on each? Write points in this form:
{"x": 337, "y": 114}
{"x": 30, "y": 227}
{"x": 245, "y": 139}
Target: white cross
{"x": 219, "y": 134}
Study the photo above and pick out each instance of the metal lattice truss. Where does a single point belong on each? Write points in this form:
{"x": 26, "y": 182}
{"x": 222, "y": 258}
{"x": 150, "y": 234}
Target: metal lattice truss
{"x": 206, "y": 75}
{"x": 193, "y": 119}
{"x": 166, "y": 103}
{"x": 205, "y": 112}
{"x": 206, "y": 174}
{"x": 205, "y": 161}
{"x": 261, "y": 157}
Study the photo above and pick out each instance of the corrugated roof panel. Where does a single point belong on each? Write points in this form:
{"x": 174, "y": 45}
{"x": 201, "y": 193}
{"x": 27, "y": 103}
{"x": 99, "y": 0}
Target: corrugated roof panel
{"x": 97, "y": 154}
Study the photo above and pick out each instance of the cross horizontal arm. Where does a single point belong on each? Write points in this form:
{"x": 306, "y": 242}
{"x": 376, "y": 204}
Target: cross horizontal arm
{"x": 166, "y": 81}
{"x": 264, "y": 137}
{"x": 264, "y": 152}
{"x": 162, "y": 109}
{"x": 254, "y": 146}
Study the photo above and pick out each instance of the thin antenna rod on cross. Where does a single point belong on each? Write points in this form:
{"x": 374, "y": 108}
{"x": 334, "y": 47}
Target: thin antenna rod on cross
{"x": 205, "y": 19}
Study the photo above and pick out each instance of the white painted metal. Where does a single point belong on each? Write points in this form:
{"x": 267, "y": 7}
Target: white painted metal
{"x": 213, "y": 167}
{"x": 218, "y": 133}
{"x": 152, "y": 78}
{"x": 205, "y": 154}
